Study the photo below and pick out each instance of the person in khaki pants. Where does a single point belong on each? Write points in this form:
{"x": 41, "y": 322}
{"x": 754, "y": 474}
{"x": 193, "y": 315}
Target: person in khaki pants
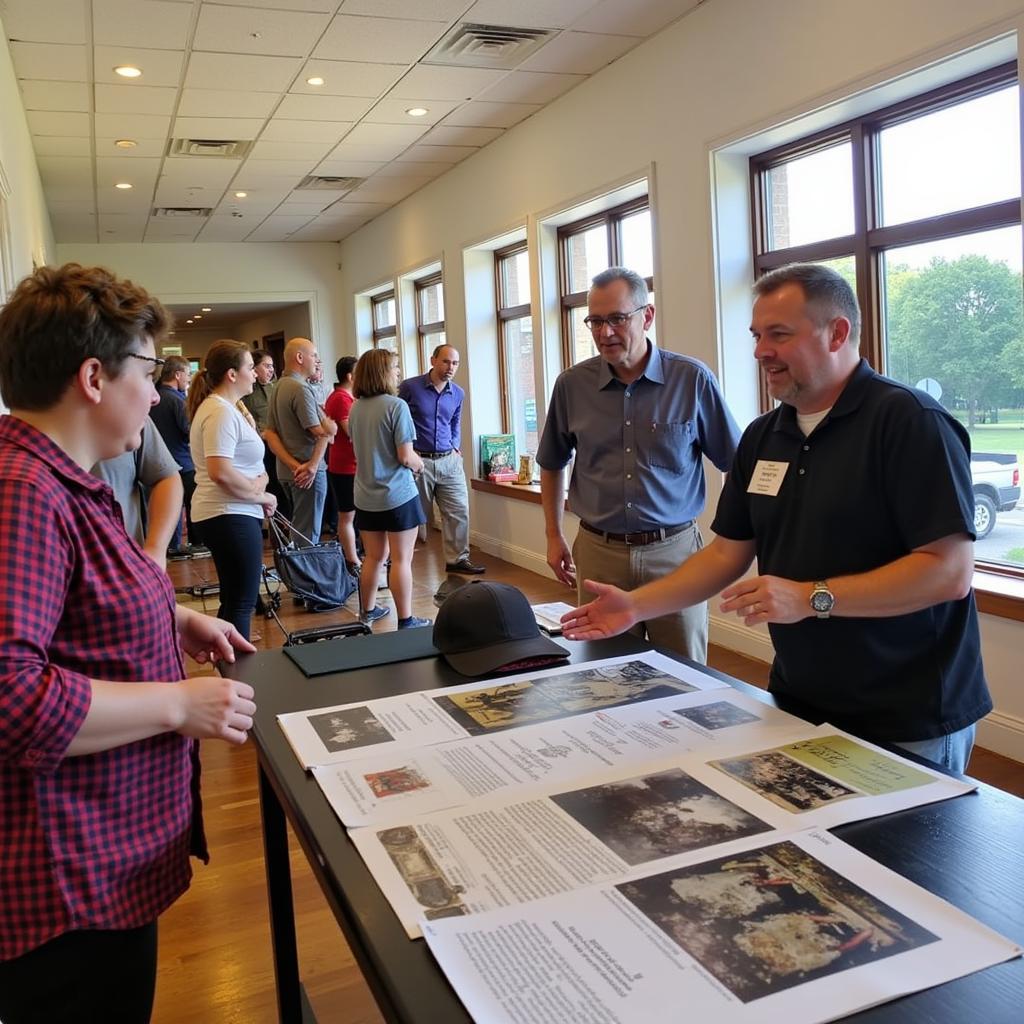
{"x": 639, "y": 421}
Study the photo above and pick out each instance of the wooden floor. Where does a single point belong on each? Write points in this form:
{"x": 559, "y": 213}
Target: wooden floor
{"x": 215, "y": 962}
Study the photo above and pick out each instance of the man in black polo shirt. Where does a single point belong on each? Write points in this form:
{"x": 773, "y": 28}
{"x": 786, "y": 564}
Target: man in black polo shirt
{"x": 855, "y": 496}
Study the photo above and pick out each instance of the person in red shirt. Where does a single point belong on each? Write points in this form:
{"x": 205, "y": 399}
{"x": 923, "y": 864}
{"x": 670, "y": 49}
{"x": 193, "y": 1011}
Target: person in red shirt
{"x": 99, "y": 771}
{"x": 341, "y": 459}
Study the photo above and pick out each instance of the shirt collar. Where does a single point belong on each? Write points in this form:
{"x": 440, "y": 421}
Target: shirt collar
{"x": 428, "y": 383}
{"x": 23, "y": 435}
{"x": 654, "y": 370}
{"x": 849, "y": 400}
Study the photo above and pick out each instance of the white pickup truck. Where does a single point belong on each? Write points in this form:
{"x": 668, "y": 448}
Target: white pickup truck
{"x": 996, "y": 479}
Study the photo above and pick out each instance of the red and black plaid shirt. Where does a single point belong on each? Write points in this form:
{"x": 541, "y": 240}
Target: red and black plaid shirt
{"x": 100, "y": 841}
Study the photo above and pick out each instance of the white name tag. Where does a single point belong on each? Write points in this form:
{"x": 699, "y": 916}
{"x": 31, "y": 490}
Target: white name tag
{"x": 767, "y": 478}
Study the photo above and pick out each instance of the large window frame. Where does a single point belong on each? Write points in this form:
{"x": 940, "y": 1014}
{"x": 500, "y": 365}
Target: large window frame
{"x": 569, "y": 300}
{"x": 426, "y": 328}
{"x": 506, "y": 314}
{"x": 871, "y": 238}
{"x": 384, "y": 336}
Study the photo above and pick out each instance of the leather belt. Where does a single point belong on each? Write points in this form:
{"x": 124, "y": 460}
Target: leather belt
{"x": 434, "y": 455}
{"x": 639, "y": 538}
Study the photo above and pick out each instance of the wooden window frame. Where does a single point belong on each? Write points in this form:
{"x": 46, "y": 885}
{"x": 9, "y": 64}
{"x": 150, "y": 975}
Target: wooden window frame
{"x": 423, "y": 329}
{"x": 382, "y": 333}
{"x": 505, "y": 314}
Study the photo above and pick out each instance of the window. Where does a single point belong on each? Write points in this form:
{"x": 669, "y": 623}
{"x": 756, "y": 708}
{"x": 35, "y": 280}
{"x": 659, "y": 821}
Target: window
{"x": 919, "y": 206}
{"x": 619, "y": 237}
{"x": 515, "y": 345}
{"x": 385, "y": 322}
{"x": 429, "y": 318}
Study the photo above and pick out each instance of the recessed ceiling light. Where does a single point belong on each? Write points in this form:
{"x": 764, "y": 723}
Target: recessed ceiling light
{"x": 241, "y": 195}
{"x": 127, "y": 71}
{"x": 188, "y": 321}
{"x": 315, "y": 80}
{"x": 125, "y": 143}
{"x": 206, "y": 309}
{"x": 123, "y": 185}
{"x": 197, "y": 316}
{"x": 417, "y": 111}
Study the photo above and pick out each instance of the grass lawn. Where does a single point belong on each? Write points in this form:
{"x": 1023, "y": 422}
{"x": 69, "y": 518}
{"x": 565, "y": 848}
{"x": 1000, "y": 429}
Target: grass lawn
{"x": 998, "y": 437}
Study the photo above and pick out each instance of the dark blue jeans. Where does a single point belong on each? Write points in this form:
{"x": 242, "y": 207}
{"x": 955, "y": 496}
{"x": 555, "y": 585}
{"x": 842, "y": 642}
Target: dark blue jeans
{"x": 236, "y": 544}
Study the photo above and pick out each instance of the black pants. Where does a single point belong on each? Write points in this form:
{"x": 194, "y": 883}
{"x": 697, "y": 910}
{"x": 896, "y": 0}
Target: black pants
{"x": 284, "y": 503}
{"x": 82, "y": 977}
{"x": 236, "y": 544}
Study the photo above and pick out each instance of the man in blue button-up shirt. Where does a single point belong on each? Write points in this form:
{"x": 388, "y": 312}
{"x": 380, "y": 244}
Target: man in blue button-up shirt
{"x": 639, "y": 421}
{"x": 435, "y": 401}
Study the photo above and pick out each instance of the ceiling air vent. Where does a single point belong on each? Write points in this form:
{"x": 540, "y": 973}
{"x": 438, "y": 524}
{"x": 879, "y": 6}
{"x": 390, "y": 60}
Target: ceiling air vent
{"x": 229, "y": 149}
{"x": 327, "y": 183}
{"x": 182, "y": 212}
{"x": 487, "y": 46}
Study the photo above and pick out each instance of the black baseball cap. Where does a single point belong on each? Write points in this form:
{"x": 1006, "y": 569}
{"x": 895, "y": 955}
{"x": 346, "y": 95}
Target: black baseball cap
{"x": 483, "y": 627}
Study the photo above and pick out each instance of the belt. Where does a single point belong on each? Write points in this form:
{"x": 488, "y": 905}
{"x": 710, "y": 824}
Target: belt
{"x": 434, "y": 455}
{"x": 639, "y": 538}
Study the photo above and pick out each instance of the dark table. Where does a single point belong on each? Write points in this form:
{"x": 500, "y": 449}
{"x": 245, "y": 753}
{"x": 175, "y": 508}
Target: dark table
{"x": 969, "y": 851}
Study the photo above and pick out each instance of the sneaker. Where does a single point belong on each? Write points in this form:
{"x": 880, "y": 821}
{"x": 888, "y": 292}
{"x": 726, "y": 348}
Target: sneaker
{"x": 177, "y": 555}
{"x": 375, "y": 613}
{"x": 413, "y": 622}
{"x": 465, "y": 566}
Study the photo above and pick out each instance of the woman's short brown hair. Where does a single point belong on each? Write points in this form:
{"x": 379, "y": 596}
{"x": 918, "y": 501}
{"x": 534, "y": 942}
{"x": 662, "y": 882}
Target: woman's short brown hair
{"x": 58, "y": 317}
{"x": 372, "y": 375}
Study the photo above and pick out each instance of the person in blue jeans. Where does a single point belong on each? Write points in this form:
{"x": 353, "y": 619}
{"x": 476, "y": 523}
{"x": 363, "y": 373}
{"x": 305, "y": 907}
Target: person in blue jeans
{"x": 388, "y": 508}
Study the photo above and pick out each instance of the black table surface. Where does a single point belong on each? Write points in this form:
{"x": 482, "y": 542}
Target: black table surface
{"x": 969, "y": 851}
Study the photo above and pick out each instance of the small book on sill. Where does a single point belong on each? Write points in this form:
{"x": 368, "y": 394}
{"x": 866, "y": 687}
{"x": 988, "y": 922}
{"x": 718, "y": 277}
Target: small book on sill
{"x": 503, "y": 478}
{"x": 549, "y": 616}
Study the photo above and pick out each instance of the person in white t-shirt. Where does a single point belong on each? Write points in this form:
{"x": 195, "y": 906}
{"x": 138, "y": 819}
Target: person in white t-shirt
{"x": 231, "y": 496}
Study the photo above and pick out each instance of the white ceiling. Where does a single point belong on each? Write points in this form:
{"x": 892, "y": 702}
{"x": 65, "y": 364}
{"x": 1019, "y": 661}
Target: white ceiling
{"x": 221, "y": 316}
{"x": 237, "y": 69}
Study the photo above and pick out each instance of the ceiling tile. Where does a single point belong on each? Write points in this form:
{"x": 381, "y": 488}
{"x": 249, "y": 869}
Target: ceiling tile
{"x": 135, "y": 203}
{"x": 277, "y": 169}
{"x": 65, "y": 170}
{"x": 111, "y": 169}
{"x": 76, "y": 193}
{"x": 282, "y": 130}
{"x": 258, "y": 179}
{"x": 143, "y": 148}
{"x": 134, "y": 99}
{"x": 393, "y": 111}
{"x": 353, "y": 208}
{"x": 385, "y": 134}
{"x": 457, "y": 135}
{"x": 616, "y": 18}
{"x": 51, "y": 122}
{"x": 61, "y": 145}
{"x": 121, "y": 227}
{"x": 439, "y": 83}
{"x": 50, "y": 62}
{"x": 491, "y": 115}
{"x": 334, "y": 167}
{"x": 348, "y": 78}
{"x": 58, "y": 209}
{"x": 527, "y": 13}
{"x": 530, "y": 87}
{"x": 325, "y": 6}
{"x": 203, "y": 171}
{"x": 151, "y": 23}
{"x": 264, "y": 199}
{"x": 132, "y": 126}
{"x": 388, "y": 190}
{"x": 172, "y": 229}
{"x": 323, "y": 108}
{"x": 225, "y": 229}
{"x": 245, "y": 128}
{"x": 314, "y": 152}
{"x": 378, "y": 39}
{"x": 250, "y": 30}
{"x": 438, "y": 154}
{"x": 277, "y": 228}
{"x": 418, "y": 10}
{"x": 226, "y": 103}
{"x": 410, "y": 168}
{"x": 302, "y": 206}
{"x": 55, "y": 95}
{"x": 351, "y": 151}
{"x": 169, "y": 193}
{"x": 56, "y": 21}
{"x": 579, "y": 53}
{"x": 159, "y": 67}
{"x": 241, "y": 71}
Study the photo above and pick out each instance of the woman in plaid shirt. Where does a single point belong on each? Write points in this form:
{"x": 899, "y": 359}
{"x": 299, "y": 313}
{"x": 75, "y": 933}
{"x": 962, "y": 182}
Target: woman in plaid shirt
{"x": 99, "y": 806}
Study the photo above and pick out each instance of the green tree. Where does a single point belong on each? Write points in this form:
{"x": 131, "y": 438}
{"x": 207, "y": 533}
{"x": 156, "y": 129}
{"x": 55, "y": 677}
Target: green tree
{"x": 954, "y": 321}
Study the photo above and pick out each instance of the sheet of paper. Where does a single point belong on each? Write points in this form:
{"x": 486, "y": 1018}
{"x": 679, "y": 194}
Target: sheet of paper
{"x": 393, "y": 787}
{"x": 493, "y": 852}
{"x": 345, "y": 732}
{"x": 549, "y": 616}
{"x": 794, "y": 930}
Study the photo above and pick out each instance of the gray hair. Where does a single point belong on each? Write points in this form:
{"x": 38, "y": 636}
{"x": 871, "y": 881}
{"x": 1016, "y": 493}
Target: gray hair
{"x": 637, "y": 285}
{"x": 827, "y": 292}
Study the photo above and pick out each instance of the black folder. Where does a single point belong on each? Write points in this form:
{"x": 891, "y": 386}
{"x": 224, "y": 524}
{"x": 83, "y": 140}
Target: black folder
{"x": 346, "y": 653}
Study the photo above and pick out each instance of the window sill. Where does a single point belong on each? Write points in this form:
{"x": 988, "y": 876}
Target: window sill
{"x": 999, "y": 595}
{"x": 518, "y": 492}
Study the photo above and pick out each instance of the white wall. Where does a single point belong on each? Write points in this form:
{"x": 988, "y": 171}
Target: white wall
{"x": 293, "y": 321}
{"x": 727, "y": 70}
{"x": 234, "y": 272}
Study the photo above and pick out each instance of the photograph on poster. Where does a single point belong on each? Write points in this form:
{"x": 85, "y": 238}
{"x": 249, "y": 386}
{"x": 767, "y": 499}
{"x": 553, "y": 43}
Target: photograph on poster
{"x": 392, "y": 781}
{"x": 721, "y": 714}
{"x": 348, "y": 728}
{"x": 784, "y": 781}
{"x": 643, "y": 819}
{"x": 772, "y": 918}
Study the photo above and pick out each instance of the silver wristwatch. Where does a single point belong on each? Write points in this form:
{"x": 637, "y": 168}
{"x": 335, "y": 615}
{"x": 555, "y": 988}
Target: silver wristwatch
{"x": 822, "y": 599}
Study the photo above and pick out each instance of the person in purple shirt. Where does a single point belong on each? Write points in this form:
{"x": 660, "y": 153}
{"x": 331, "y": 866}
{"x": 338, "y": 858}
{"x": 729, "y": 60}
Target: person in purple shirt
{"x": 435, "y": 401}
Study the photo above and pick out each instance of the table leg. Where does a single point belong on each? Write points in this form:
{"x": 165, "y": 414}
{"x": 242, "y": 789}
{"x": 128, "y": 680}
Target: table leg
{"x": 282, "y": 910}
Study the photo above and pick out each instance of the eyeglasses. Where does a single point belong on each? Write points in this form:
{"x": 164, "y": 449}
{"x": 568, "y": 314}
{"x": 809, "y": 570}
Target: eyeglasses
{"x": 613, "y": 320}
{"x": 158, "y": 363}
